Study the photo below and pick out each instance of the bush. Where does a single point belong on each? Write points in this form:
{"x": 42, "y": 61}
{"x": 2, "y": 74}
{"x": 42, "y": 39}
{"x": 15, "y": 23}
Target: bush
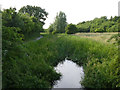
{"x": 99, "y": 30}
{"x": 10, "y": 40}
{"x": 71, "y": 29}
{"x": 116, "y": 37}
{"x": 50, "y": 29}
{"x": 114, "y": 28}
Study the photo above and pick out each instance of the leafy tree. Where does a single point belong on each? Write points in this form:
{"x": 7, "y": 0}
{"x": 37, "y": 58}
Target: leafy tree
{"x": 50, "y": 29}
{"x": 60, "y": 22}
{"x": 99, "y": 30}
{"x": 11, "y": 37}
{"x": 10, "y": 40}
{"x": 115, "y": 19}
{"x": 71, "y": 29}
{"x": 28, "y": 24}
{"x": 38, "y": 27}
{"x": 11, "y": 18}
{"x": 114, "y": 28}
{"x": 99, "y": 25}
{"x": 35, "y": 11}
{"x": 84, "y": 26}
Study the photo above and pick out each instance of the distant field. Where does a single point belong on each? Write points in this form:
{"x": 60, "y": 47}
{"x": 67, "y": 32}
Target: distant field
{"x": 102, "y": 37}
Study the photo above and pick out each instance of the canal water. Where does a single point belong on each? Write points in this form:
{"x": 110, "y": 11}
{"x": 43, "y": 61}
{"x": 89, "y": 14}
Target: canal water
{"x": 72, "y": 74}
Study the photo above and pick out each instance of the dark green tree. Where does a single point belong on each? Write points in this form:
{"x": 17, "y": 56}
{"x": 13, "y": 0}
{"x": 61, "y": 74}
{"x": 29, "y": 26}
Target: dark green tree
{"x": 115, "y": 18}
{"x": 10, "y": 18}
{"x": 99, "y": 25}
{"x": 35, "y": 11}
{"x": 71, "y": 29}
{"x": 84, "y": 26}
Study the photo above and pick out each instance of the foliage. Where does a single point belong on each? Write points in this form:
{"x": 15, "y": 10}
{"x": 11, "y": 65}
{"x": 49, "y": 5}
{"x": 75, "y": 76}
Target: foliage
{"x": 10, "y": 40}
{"x": 70, "y": 29}
{"x": 11, "y": 48}
{"x": 114, "y": 28}
{"x": 99, "y": 30}
{"x": 10, "y": 18}
{"x": 50, "y": 29}
{"x": 59, "y": 24}
{"x": 35, "y": 68}
{"x": 31, "y": 64}
{"x": 35, "y": 11}
{"x": 99, "y": 25}
{"x": 116, "y": 37}
{"x": 20, "y": 71}
{"x": 84, "y": 26}
{"x": 27, "y": 24}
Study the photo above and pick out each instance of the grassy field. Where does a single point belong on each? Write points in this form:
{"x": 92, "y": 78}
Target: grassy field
{"x": 101, "y": 37}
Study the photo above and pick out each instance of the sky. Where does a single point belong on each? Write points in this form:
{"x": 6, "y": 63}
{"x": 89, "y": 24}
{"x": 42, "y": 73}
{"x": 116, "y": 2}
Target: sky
{"x": 75, "y": 10}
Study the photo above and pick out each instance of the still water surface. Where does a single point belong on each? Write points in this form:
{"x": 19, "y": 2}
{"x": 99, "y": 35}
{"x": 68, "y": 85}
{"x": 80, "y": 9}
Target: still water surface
{"x": 72, "y": 74}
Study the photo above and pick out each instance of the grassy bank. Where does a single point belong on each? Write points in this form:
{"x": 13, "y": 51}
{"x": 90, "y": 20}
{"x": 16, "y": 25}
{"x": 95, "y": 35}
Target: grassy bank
{"x": 101, "y": 37}
{"x": 35, "y": 68}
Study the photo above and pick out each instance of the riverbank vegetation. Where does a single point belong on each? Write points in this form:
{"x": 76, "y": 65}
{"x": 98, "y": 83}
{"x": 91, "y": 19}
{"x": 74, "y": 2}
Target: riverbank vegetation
{"x": 100, "y": 61}
{"x": 31, "y": 64}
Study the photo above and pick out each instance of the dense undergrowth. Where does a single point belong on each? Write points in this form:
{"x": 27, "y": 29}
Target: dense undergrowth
{"x": 35, "y": 68}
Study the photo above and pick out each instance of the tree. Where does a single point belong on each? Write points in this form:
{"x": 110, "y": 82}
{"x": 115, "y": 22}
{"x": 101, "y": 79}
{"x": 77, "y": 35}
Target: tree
{"x": 114, "y": 28}
{"x": 10, "y": 18}
{"x": 35, "y": 11}
{"x": 11, "y": 40}
{"x": 60, "y": 22}
{"x": 84, "y": 26}
{"x": 50, "y": 29}
{"x": 99, "y": 30}
{"x": 115, "y": 19}
{"x": 26, "y": 23}
{"x": 71, "y": 29}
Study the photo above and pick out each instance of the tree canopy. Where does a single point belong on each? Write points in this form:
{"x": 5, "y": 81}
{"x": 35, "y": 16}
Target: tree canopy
{"x": 35, "y": 11}
{"x": 59, "y": 24}
{"x": 99, "y": 25}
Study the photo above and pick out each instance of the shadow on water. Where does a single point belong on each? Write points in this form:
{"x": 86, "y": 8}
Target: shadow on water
{"x": 71, "y": 73}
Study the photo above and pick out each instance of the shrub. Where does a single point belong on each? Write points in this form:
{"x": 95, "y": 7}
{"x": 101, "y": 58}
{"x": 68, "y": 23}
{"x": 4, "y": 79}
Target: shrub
{"x": 71, "y": 29}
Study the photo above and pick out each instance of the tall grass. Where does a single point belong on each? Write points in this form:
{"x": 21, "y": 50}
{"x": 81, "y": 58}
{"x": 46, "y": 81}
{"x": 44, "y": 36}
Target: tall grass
{"x": 35, "y": 68}
{"x": 99, "y": 59}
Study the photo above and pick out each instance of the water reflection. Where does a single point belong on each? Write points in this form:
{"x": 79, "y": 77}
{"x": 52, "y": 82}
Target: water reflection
{"x": 72, "y": 74}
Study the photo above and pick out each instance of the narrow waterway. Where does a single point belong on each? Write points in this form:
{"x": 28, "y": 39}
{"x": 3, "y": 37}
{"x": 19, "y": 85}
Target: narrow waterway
{"x": 72, "y": 74}
{"x": 39, "y": 37}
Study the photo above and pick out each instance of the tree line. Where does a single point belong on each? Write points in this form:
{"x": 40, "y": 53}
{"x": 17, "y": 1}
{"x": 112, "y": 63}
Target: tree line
{"x": 102, "y": 24}
{"x": 99, "y": 25}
